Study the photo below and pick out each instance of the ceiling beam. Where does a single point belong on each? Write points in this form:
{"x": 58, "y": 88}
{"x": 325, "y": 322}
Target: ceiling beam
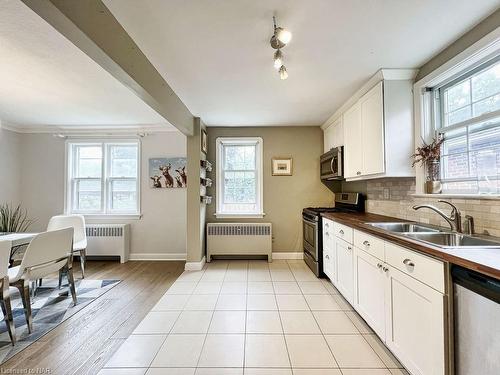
{"x": 91, "y": 27}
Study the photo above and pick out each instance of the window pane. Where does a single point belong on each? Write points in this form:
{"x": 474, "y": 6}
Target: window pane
{"x": 459, "y": 115}
{"x": 487, "y": 105}
{"x": 123, "y": 161}
{"x": 462, "y": 187}
{"x": 455, "y": 166}
{"x": 88, "y": 195}
{"x": 239, "y": 157}
{"x": 239, "y": 187}
{"x": 124, "y": 195}
{"x": 455, "y": 141}
{"x": 486, "y": 83}
{"x": 88, "y": 161}
{"x": 457, "y": 96}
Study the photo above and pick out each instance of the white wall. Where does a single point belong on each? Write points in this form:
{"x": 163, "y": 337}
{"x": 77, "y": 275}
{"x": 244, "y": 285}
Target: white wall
{"x": 159, "y": 234}
{"x": 10, "y": 167}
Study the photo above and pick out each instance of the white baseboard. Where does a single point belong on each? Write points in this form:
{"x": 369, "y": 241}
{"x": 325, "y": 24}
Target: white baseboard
{"x": 195, "y": 266}
{"x": 160, "y": 256}
{"x": 294, "y": 255}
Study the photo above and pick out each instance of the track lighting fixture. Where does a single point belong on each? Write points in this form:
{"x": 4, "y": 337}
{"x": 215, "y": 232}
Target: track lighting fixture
{"x": 278, "y": 59}
{"x": 283, "y": 72}
{"x": 281, "y": 37}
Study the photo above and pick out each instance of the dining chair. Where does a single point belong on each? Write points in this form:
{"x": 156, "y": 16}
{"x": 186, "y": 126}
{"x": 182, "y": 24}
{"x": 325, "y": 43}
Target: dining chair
{"x": 48, "y": 252}
{"x": 77, "y": 222}
{"x": 5, "y": 248}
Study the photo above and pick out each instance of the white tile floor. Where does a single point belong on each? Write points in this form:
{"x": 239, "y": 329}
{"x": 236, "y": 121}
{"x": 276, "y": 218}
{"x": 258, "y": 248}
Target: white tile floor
{"x": 252, "y": 318}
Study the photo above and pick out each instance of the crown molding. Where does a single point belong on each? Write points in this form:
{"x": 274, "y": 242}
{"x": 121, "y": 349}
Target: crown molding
{"x": 88, "y": 129}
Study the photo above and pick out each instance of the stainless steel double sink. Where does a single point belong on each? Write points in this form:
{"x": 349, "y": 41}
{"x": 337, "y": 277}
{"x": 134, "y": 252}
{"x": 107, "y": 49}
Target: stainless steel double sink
{"x": 437, "y": 236}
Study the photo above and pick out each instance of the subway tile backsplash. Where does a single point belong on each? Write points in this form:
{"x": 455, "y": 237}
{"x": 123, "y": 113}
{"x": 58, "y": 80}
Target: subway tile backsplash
{"x": 394, "y": 197}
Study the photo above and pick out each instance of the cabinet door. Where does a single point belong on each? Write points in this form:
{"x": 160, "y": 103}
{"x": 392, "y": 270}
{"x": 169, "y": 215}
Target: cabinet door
{"x": 329, "y": 250}
{"x": 415, "y": 324}
{"x": 369, "y": 286}
{"x": 345, "y": 269}
{"x": 353, "y": 149}
{"x": 372, "y": 131}
{"x": 328, "y": 138}
{"x": 338, "y": 133}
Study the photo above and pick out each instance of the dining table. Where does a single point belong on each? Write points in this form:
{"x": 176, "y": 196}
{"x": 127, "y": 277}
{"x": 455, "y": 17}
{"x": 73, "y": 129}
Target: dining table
{"x": 18, "y": 240}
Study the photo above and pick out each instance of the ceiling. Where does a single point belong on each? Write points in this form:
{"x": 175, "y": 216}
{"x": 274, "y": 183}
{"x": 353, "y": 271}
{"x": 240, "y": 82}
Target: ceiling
{"x": 46, "y": 81}
{"x": 216, "y": 54}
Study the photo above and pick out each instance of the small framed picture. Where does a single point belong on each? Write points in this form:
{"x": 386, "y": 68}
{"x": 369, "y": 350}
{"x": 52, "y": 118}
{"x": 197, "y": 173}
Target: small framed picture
{"x": 282, "y": 167}
{"x": 204, "y": 141}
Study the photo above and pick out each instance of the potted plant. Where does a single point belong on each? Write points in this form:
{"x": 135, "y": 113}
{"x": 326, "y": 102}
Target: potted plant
{"x": 13, "y": 219}
{"x": 429, "y": 155}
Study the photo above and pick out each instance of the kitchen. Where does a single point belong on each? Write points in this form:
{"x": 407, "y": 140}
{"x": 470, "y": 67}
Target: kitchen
{"x": 253, "y": 187}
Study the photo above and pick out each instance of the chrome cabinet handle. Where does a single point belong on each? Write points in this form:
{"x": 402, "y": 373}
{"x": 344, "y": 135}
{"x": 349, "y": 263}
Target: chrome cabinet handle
{"x": 408, "y": 262}
{"x": 385, "y": 269}
{"x": 379, "y": 265}
{"x": 358, "y": 173}
{"x": 341, "y": 231}
{"x": 366, "y": 243}
{"x": 349, "y": 248}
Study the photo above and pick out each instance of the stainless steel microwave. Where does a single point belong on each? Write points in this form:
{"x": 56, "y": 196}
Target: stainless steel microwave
{"x": 332, "y": 164}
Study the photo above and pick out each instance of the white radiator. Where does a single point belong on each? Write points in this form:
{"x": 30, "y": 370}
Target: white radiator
{"x": 105, "y": 240}
{"x": 239, "y": 239}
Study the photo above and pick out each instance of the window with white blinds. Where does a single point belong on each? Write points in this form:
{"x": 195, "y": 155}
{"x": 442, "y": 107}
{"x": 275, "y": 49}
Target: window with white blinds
{"x": 469, "y": 118}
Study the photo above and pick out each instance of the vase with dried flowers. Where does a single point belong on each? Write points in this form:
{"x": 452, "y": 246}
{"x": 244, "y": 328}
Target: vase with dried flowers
{"x": 429, "y": 155}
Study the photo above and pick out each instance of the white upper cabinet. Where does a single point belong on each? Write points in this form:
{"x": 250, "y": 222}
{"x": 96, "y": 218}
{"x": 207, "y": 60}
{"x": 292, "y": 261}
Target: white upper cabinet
{"x": 372, "y": 131}
{"x": 333, "y": 135}
{"x": 378, "y": 127}
{"x": 353, "y": 155}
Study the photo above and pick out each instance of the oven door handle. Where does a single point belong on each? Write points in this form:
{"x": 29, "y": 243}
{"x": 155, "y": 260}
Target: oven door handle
{"x": 315, "y": 223}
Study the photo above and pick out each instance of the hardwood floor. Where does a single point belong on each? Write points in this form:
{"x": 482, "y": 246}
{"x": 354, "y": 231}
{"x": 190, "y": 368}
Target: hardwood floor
{"x": 83, "y": 343}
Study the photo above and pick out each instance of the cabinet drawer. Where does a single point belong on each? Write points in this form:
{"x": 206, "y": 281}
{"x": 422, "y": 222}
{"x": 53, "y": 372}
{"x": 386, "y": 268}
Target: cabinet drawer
{"x": 327, "y": 226}
{"x": 372, "y": 245}
{"x": 423, "y": 268}
{"x": 343, "y": 231}
{"x": 328, "y": 234}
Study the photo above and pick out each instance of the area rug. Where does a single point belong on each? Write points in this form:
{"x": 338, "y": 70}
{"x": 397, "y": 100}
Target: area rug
{"x": 50, "y": 307}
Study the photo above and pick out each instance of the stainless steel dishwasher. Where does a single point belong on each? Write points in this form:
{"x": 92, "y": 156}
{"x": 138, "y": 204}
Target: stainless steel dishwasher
{"x": 477, "y": 323}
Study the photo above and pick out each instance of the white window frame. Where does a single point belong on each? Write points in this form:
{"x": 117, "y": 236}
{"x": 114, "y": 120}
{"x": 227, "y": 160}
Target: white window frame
{"x": 439, "y": 116}
{"x": 106, "y": 212}
{"x": 425, "y": 114}
{"x": 258, "y": 142}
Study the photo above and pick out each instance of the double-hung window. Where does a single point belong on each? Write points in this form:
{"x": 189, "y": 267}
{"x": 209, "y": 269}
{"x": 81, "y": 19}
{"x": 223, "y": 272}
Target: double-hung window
{"x": 239, "y": 177}
{"x": 103, "y": 177}
{"x": 468, "y": 115}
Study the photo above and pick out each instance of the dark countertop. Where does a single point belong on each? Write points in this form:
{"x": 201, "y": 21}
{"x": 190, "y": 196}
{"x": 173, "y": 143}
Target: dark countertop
{"x": 485, "y": 261}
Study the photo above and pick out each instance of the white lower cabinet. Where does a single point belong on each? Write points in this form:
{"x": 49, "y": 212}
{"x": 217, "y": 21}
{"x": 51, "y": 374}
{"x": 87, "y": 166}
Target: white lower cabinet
{"x": 330, "y": 264}
{"x": 370, "y": 290}
{"x": 404, "y": 302}
{"x": 415, "y": 324}
{"x": 345, "y": 269}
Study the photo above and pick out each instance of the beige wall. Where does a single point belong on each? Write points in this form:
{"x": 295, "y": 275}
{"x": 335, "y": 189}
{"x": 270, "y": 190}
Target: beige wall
{"x": 10, "y": 167}
{"x": 160, "y": 233}
{"x": 284, "y": 197}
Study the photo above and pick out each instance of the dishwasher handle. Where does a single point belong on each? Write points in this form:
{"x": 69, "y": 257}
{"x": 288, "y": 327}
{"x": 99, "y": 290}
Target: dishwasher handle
{"x": 486, "y": 286}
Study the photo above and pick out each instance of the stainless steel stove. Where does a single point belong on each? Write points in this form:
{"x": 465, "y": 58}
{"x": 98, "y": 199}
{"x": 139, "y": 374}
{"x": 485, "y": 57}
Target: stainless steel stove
{"x": 312, "y": 227}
